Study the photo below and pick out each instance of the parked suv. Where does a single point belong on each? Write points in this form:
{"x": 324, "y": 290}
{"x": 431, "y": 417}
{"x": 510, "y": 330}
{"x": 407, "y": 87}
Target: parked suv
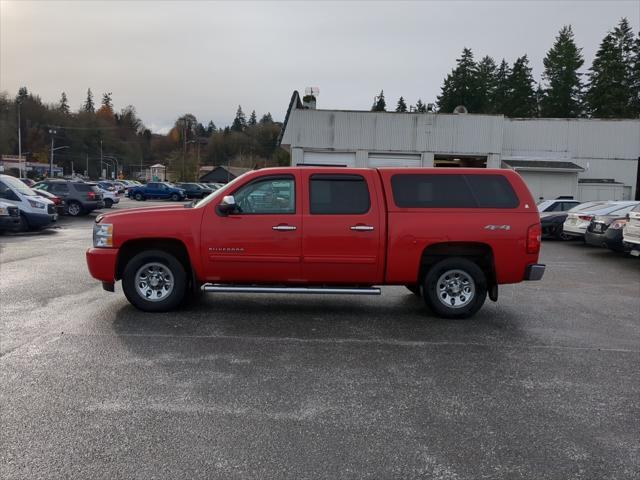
{"x": 194, "y": 190}
{"x": 9, "y": 217}
{"x": 449, "y": 235}
{"x": 157, "y": 190}
{"x": 79, "y": 197}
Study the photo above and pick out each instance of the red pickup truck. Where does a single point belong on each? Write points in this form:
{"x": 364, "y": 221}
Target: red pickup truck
{"x": 451, "y": 235}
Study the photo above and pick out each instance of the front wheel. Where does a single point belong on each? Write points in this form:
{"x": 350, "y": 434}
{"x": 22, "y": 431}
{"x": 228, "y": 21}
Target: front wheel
{"x": 74, "y": 209}
{"x": 139, "y": 197}
{"x": 455, "y": 288}
{"x": 108, "y": 203}
{"x": 154, "y": 281}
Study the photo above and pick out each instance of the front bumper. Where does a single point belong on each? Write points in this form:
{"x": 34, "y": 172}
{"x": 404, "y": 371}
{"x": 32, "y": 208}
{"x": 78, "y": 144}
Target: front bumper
{"x": 40, "y": 220}
{"x": 8, "y": 222}
{"x": 102, "y": 263}
{"x": 535, "y": 271}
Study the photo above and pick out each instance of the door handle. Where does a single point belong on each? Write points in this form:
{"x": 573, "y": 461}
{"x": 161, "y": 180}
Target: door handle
{"x": 284, "y": 228}
{"x": 361, "y": 228}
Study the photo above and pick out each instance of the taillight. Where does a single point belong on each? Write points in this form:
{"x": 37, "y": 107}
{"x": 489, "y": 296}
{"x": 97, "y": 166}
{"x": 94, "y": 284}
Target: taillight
{"x": 586, "y": 218}
{"x": 618, "y": 224}
{"x": 534, "y": 234}
{"x": 91, "y": 195}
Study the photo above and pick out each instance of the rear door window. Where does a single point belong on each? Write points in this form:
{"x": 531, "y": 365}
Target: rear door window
{"x": 338, "y": 195}
{"x": 452, "y": 191}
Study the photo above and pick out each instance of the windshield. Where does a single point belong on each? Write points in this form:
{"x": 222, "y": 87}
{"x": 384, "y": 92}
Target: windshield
{"x": 220, "y": 192}
{"x": 18, "y": 186}
{"x": 543, "y": 205}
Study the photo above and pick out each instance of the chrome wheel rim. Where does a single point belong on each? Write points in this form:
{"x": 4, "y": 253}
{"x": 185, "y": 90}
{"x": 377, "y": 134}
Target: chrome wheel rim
{"x": 455, "y": 288}
{"x": 74, "y": 209}
{"x": 154, "y": 281}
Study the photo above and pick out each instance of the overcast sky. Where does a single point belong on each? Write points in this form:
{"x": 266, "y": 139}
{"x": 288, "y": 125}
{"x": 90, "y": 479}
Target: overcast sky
{"x": 204, "y": 57}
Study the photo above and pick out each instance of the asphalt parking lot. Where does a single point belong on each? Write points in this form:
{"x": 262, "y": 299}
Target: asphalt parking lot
{"x": 544, "y": 384}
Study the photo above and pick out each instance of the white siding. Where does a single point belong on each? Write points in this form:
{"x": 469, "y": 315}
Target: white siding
{"x": 588, "y": 192}
{"x": 550, "y": 185}
{"x": 390, "y": 160}
{"x": 345, "y": 159}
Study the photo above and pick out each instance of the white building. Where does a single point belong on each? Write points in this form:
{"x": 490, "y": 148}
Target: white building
{"x": 582, "y": 158}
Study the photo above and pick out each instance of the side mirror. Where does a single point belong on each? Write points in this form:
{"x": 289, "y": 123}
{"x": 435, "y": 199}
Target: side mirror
{"x": 227, "y": 206}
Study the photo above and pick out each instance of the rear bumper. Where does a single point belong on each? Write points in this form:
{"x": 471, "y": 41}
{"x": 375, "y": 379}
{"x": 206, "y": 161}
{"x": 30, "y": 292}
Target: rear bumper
{"x": 534, "y": 271}
{"x": 595, "y": 239}
{"x": 102, "y": 263}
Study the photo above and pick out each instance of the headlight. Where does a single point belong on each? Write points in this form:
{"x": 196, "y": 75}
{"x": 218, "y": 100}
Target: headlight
{"x": 35, "y": 204}
{"x": 103, "y": 235}
{"x": 4, "y": 211}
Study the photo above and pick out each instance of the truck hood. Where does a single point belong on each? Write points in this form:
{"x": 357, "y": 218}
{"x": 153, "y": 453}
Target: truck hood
{"x": 144, "y": 211}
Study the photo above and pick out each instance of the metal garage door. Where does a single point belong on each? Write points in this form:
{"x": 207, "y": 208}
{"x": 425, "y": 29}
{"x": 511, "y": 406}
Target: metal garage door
{"x": 550, "y": 185}
{"x": 338, "y": 159}
{"x": 394, "y": 160}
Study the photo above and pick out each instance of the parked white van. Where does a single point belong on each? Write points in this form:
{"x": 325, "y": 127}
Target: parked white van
{"x": 35, "y": 211}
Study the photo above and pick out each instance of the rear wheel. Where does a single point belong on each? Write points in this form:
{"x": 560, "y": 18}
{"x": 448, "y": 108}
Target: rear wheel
{"x": 560, "y": 235}
{"x": 455, "y": 288}
{"x": 74, "y": 209}
{"x": 154, "y": 281}
{"x": 138, "y": 197}
{"x": 108, "y": 203}
{"x": 175, "y": 197}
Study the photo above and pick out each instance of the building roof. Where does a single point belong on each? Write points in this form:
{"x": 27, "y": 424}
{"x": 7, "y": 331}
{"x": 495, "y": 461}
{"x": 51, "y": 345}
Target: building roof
{"x": 554, "y": 165}
{"x": 610, "y": 181}
{"x": 157, "y": 165}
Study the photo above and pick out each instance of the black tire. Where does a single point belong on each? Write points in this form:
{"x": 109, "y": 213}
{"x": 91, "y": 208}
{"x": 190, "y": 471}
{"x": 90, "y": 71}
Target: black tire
{"x": 108, "y": 203}
{"x": 74, "y": 209}
{"x": 139, "y": 197}
{"x": 175, "y": 197}
{"x": 24, "y": 224}
{"x": 415, "y": 289}
{"x": 431, "y": 289}
{"x": 173, "y": 299}
{"x": 560, "y": 235}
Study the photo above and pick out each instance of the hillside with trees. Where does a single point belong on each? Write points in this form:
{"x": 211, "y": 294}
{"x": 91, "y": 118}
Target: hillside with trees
{"x": 97, "y": 131}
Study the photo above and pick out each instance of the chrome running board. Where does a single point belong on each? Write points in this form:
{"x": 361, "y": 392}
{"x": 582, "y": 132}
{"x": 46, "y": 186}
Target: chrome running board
{"x": 218, "y": 287}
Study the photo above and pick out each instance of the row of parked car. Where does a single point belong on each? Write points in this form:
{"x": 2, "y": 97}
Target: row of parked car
{"x": 611, "y": 224}
{"x": 172, "y": 191}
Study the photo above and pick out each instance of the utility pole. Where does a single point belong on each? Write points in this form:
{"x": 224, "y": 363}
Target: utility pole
{"x": 87, "y": 171}
{"x": 184, "y": 147}
{"x": 52, "y": 133}
{"x": 101, "y": 158}
{"x": 19, "y": 138}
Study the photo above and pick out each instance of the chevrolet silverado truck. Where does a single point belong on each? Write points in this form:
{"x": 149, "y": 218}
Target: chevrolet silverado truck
{"x": 451, "y": 235}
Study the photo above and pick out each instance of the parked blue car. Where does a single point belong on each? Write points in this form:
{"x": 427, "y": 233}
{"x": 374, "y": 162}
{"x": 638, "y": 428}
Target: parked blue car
{"x": 156, "y": 190}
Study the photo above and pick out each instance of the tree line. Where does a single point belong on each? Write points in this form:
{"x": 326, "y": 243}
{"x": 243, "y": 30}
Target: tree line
{"x": 97, "y": 131}
{"x": 610, "y": 88}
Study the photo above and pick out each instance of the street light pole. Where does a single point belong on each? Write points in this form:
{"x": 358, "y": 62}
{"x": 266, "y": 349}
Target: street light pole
{"x": 52, "y": 133}
{"x": 19, "y": 138}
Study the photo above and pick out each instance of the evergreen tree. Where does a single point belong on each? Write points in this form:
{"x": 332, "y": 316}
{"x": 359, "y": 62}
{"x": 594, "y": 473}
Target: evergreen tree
{"x": 624, "y": 36}
{"x": 23, "y": 93}
{"x": 88, "y": 104}
{"x": 635, "y": 78}
{"x": 540, "y": 95}
{"x": 240, "y": 122}
{"x": 106, "y": 101}
{"x": 252, "y": 119}
{"x": 609, "y": 92}
{"x": 211, "y": 128}
{"x": 461, "y": 85}
{"x": 562, "y": 95}
{"x": 420, "y": 107}
{"x": 498, "y": 100}
{"x": 521, "y": 101}
{"x": 379, "y": 104}
{"x": 63, "y": 106}
{"x": 487, "y": 84}
{"x": 401, "y": 106}
{"x": 266, "y": 118}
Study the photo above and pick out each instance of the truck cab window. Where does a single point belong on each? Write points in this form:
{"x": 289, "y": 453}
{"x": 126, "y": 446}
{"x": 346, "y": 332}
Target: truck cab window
{"x": 267, "y": 196}
{"x": 338, "y": 195}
